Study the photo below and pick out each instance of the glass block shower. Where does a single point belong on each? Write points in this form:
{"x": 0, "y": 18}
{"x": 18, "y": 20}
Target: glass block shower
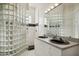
{"x": 12, "y": 28}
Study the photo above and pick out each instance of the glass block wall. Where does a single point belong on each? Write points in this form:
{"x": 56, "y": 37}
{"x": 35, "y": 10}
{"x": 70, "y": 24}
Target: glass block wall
{"x": 12, "y": 28}
{"x": 55, "y": 21}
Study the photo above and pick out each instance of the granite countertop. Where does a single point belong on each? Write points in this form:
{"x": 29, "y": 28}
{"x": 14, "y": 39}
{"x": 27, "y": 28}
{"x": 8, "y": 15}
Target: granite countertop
{"x": 47, "y": 40}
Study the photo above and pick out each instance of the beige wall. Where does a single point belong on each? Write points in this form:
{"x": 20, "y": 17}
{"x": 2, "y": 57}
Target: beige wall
{"x": 71, "y": 22}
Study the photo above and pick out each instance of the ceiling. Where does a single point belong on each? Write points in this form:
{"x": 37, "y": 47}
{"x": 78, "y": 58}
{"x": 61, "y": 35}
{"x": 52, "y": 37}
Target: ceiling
{"x": 41, "y": 5}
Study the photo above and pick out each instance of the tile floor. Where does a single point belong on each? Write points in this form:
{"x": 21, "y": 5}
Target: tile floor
{"x": 28, "y": 53}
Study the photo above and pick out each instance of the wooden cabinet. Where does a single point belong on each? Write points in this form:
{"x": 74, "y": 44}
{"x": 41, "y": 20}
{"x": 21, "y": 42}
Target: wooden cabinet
{"x": 45, "y": 49}
{"x": 41, "y": 48}
{"x": 73, "y": 51}
{"x": 55, "y": 51}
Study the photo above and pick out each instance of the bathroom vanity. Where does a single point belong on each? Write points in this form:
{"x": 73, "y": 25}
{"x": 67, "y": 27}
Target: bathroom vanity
{"x": 43, "y": 47}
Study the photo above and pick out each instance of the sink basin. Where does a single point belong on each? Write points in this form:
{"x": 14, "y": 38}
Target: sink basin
{"x": 59, "y": 42}
{"x": 42, "y": 36}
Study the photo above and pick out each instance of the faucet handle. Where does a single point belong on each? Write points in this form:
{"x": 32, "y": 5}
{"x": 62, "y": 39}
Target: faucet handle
{"x": 70, "y": 37}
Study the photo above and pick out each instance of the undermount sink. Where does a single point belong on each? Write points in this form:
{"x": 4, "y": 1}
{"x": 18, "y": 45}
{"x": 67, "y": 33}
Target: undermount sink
{"x": 59, "y": 42}
{"x": 42, "y": 36}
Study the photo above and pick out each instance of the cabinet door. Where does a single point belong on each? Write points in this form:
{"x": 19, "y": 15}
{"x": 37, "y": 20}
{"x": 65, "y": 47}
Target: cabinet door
{"x": 41, "y": 48}
{"x": 55, "y": 51}
{"x": 73, "y": 51}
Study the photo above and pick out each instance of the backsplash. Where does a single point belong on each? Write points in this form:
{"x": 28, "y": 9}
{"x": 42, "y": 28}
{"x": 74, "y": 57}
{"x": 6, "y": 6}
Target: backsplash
{"x": 71, "y": 39}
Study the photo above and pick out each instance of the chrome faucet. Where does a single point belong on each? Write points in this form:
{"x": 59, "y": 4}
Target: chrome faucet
{"x": 61, "y": 39}
{"x": 55, "y": 36}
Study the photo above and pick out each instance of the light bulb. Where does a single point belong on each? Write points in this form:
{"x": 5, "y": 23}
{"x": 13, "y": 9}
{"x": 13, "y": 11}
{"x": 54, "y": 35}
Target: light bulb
{"x": 27, "y": 18}
{"x": 52, "y": 7}
{"x": 56, "y": 4}
{"x": 48, "y": 9}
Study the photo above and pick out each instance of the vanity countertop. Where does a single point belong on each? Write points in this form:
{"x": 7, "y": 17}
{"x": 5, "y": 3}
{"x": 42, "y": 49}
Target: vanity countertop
{"x": 47, "y": 40}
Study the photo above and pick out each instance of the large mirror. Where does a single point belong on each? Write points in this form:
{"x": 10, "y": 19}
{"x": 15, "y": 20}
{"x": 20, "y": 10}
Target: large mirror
{"x": 63, "y": 20}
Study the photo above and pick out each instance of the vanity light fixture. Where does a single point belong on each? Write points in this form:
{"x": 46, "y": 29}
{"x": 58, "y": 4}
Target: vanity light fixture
{"x": 56, "y": 4}
{"x": 47, "y": 10}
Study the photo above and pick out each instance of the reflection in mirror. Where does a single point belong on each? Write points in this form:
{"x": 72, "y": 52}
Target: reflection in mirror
{"x": 55, "y": 21}
{"x": 63, "y": 20}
